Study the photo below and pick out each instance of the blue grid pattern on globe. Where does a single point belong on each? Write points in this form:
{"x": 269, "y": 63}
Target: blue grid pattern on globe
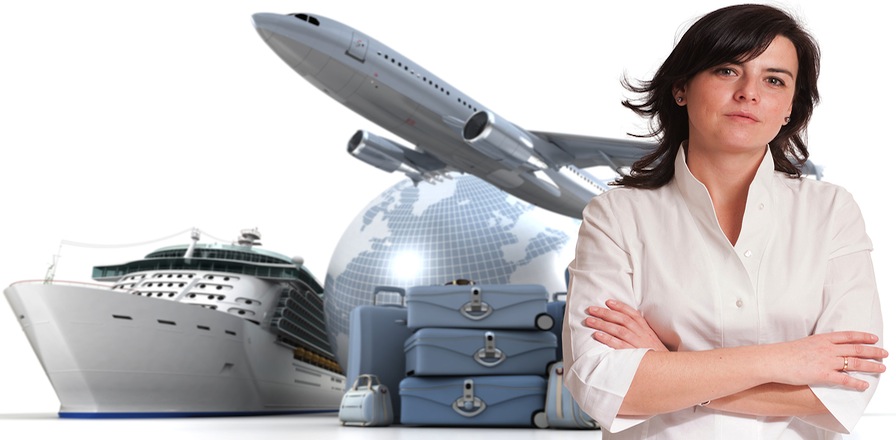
{"x": 459, "y": 234}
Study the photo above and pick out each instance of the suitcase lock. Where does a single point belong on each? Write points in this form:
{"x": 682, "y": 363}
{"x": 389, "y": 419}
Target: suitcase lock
{"x": 469, "y": 405}
{"x": 476, "y": 309}
{"x": 490, "y": 355}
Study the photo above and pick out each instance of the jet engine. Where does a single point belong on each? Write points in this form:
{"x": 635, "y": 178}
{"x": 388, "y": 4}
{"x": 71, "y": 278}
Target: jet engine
{"x": 390, "y": 156}
{"x": 500, "y": 140}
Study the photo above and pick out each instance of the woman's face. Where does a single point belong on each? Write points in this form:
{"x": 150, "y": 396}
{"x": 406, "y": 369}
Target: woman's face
{"x": 740, "y": 107}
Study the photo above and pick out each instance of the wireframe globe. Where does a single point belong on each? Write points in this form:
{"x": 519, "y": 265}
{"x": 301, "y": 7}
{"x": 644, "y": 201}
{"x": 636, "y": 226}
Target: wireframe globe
{"x": 430, "y": 234}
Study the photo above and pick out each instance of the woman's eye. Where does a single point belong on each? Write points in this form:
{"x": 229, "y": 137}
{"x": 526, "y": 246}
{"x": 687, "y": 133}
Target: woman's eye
{"x": 776, "y": 81}
{"x": 725, "y": 71}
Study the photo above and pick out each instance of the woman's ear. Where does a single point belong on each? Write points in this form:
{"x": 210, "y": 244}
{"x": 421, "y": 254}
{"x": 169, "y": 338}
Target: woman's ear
{"x": 678, "y": 92}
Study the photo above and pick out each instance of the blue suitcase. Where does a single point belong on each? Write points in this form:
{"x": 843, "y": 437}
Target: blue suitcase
{"x": 472, "y": 400}
{"x": 376, "y": 343}
{"x": 496, "y": 306}
{"x": 459, "y": 352}
{"x": 560, "y": 410}
{"x": 556, "y": 309}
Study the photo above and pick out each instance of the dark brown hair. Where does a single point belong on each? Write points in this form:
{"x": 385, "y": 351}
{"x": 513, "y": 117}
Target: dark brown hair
{"x": 734, "y": 34}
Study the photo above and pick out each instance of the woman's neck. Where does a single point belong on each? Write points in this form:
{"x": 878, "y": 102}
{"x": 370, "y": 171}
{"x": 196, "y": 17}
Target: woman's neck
{"x": 727, "y": 177}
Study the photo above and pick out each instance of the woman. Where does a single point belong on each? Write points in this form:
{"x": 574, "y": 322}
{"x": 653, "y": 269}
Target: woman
{"x": 740, "y": 298}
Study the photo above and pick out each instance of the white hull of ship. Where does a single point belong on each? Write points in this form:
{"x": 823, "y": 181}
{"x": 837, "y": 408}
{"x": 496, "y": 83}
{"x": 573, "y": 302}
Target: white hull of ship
{"x": 111, "y": 354}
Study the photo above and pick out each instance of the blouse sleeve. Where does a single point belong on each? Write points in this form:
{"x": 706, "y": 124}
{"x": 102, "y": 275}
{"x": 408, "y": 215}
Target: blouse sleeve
{"x": 598, "y": 376}
{"x": 851, "y": 302}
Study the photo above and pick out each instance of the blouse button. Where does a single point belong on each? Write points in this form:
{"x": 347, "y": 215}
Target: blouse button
{"x": 748, "y": 254}
{"x": 739, "y": 303}
{"x": 761, "y": 206}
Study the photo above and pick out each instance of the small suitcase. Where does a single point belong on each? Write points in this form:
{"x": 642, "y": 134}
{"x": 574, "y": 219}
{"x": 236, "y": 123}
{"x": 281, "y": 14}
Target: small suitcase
{"x": 556, "y": 309}
{"x": 560, "y": 410}
{"x": 367, "y": 403}
{"x": 495, "y": 306}
{"x": 376, "y": 343}
{"x": 472, "y": 400}
{"x": 474, "y": 352}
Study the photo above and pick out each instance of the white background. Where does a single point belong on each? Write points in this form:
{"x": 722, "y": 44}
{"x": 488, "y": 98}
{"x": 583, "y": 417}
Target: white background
{"x": 123, "y": 122}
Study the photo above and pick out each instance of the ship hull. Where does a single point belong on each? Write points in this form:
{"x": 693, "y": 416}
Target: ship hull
{"x": 109, "y": 354}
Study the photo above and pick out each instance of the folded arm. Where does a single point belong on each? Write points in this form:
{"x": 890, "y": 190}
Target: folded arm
{"x": 769, "y": 379}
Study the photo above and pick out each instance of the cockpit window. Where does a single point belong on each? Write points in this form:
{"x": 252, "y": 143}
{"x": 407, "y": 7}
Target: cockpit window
{"x": 308, "y": 18}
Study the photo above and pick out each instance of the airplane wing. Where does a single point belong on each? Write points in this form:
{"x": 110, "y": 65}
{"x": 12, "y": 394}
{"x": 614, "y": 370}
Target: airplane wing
{"x": 591, "y": 151}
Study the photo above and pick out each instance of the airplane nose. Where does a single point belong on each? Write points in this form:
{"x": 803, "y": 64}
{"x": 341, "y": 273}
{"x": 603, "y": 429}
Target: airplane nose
{"x": 283, "y": 34}
{"x": 264, "y": 23}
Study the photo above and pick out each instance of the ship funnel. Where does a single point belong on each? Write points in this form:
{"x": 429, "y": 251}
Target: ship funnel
{"x": 249, "y": 237}
{"x": 194, "y": 238}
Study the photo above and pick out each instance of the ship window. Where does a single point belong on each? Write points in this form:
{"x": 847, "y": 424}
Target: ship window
{"x": 202, "y": 327}
{"x": 162, "y": 321}
{"x": 122, "y": 317}
{"x": 232, "y": 333}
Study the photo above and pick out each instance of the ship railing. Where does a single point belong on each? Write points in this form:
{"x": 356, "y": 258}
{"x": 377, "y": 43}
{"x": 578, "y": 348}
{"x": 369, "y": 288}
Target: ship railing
{"x": 64, "y": 283}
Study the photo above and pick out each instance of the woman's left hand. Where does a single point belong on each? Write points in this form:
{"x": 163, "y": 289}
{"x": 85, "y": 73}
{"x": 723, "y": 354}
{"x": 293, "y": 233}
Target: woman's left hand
{"x": 620, "y": 326}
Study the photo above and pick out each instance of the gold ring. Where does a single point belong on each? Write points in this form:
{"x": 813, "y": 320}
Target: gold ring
{"x": 845, "y": 363}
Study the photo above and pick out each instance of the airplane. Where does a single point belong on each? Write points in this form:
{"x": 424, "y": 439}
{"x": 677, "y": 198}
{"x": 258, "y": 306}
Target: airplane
{"x": 450, "y": 131}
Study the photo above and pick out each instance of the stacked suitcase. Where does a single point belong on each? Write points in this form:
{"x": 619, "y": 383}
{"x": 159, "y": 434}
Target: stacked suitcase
{"x": 478, "y": 356}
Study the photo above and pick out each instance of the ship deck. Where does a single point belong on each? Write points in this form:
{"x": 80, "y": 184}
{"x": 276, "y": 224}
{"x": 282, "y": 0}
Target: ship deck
{"x": 317, "y": 426}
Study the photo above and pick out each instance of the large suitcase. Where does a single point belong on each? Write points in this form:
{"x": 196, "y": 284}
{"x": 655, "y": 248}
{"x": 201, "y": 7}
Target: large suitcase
{"x": 459, "y": 352}
{"x": 556, "y": 308}
{"x": 496, "y": 306}
{"x": 366, "y": 403}
{"x": 472, "y": 400}
{"x": 376, "y": 343}
{"x": 560, "y": 409}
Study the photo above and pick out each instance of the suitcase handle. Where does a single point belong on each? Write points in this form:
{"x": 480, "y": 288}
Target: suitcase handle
{"x": 370, "y": 378}
{"x": 468, "y": 405}
{"x": 490, "y": 355}
{"x": 390, "y": 289}
{"x": 476, "y": 309}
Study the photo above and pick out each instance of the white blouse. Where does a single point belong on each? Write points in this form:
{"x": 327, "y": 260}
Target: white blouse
{"x": 801, "y": 266}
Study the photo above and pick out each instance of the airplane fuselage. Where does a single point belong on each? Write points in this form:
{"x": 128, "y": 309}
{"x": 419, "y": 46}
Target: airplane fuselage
{"x": 388, "y": 89}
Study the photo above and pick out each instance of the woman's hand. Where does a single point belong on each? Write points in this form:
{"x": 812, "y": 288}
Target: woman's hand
{"x": 621, "y": 326}
{"x": 824, "y": 359}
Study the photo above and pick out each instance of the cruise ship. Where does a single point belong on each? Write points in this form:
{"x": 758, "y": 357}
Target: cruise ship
{"x": 190, "y": 330}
